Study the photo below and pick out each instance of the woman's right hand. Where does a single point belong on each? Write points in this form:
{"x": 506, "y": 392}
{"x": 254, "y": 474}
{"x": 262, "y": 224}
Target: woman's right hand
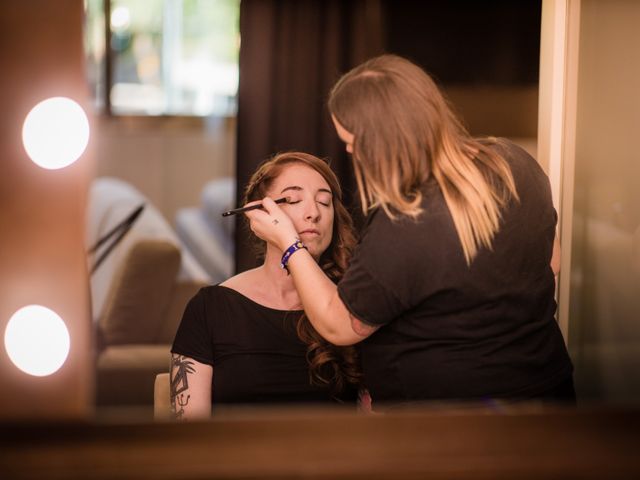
{"x": 272, "y": 225}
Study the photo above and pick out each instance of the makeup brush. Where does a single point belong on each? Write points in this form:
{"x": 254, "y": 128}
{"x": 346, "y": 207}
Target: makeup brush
{"x": 252, "y": 207}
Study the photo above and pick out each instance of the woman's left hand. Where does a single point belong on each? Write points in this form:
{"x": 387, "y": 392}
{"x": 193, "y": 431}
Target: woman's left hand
{"x": 272, "y": 225}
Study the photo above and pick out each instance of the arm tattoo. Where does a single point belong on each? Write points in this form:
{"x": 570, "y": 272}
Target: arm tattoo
{"x": 180, "y": 367}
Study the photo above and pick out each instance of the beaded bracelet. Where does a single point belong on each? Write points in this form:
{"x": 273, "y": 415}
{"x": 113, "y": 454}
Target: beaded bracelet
{"x": 290, "y": 251}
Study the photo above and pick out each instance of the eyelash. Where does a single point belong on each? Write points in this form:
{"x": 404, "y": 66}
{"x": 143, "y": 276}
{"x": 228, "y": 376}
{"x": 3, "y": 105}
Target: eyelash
{"x": 298, "y": 201}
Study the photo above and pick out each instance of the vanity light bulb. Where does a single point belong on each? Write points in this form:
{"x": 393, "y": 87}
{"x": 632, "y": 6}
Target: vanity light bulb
{"x": 120, "y": 18}
{"x": 37, "y": 340}
{"x": 55, "y": 133}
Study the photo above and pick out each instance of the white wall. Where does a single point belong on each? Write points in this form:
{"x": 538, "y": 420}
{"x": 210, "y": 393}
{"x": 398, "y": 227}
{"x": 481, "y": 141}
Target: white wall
{"x": 168, "y": 159}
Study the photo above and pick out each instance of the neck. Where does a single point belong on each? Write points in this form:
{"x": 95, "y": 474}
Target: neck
{"x": 278, "y": 282}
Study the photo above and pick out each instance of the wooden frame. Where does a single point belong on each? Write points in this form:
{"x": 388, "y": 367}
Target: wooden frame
{"x": 498, "y": 442}
{"x": 559, "y": 49}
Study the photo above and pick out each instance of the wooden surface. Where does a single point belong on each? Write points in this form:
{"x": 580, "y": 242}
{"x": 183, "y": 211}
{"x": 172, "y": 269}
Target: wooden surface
{"x": 436, "y": 443}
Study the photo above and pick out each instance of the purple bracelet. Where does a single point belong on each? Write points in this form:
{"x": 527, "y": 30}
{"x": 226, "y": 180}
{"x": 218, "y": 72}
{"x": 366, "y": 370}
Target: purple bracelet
{"x": 290, "y": 251}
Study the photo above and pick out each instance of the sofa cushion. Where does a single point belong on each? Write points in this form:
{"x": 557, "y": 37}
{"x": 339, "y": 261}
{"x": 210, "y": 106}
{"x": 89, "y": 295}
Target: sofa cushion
{"x": 140, "y": 293}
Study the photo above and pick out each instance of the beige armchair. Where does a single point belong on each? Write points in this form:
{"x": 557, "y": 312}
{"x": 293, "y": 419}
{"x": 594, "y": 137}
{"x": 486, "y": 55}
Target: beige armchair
{"x": 140, "y": 319}
{"x": 161, "y": 397}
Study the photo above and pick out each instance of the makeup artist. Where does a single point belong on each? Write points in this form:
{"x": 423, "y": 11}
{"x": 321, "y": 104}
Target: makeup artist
{"x": 247, "y": 340}
{"x": 450, "y": 291}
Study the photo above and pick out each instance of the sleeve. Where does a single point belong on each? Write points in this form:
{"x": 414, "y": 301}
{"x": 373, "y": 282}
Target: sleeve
{"x": 365, "y": 288}
{"x": 193, "y": 338}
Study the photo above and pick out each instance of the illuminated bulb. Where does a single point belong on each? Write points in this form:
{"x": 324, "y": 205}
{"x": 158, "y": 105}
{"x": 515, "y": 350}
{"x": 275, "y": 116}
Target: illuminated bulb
{"x": 55, "y": 133}
{"x": 120, "y": 18}
{"x": 37, "y": 340}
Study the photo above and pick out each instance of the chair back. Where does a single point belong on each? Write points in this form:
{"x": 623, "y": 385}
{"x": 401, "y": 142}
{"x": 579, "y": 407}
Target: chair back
{"x": 161, "y": 397}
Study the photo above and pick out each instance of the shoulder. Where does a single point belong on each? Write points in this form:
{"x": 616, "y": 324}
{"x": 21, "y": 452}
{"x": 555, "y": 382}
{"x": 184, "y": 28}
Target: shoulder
{"x": 250, "y": 288}
{"x": 212, "y": 308}
{"x": 397, "y": 225}
{"x": 197, "y": 305}
{"x": 528, "y": 175}
{"x": 379, "y": 228}
{"x": 519, "y": 159}
{"x": 209, "y": 297}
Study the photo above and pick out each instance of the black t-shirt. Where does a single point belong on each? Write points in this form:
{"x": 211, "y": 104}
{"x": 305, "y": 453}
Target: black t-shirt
{"x": 255, "y": 352}
{"x": 452, "y": 331}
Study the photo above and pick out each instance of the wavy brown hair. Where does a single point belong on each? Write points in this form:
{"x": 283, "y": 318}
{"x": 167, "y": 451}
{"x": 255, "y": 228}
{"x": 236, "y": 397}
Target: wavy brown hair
{"x": 329, "y": 364}
{"x": 404, "y": 132}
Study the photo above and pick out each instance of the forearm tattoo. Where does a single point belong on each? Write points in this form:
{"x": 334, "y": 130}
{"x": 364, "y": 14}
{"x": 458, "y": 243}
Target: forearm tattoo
{"x": 180, "y": 367}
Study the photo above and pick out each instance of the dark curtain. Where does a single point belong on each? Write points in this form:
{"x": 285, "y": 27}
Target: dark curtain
{"x": 291, "y": 54}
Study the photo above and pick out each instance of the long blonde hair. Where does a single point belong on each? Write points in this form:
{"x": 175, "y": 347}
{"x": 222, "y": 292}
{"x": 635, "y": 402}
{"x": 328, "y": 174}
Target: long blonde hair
{"x": 404, "y": 132}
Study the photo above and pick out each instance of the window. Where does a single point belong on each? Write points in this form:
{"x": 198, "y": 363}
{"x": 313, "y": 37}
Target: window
{"x": 165, "y": 57}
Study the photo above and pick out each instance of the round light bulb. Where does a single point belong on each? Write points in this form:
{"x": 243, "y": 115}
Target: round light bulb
{"x": 55, "y": 133}
{"x": 37, "y": 340}
{"x": 120, "y": 18}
